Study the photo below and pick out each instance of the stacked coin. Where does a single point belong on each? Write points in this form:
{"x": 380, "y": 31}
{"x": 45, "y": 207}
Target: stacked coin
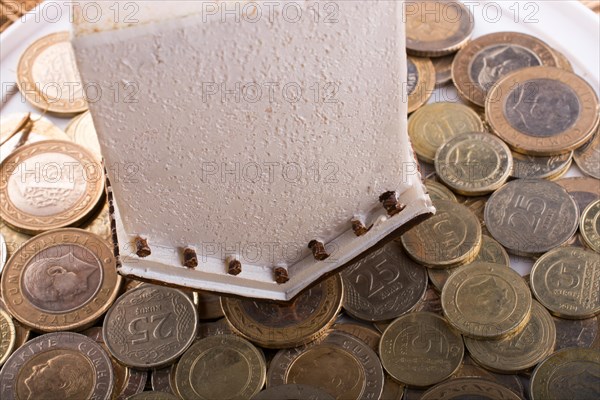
{"x": 437, "y": 313}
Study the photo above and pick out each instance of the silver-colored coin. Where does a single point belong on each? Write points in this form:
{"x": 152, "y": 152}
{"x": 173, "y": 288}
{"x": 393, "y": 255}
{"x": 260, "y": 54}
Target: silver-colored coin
{"x": 587, "y": 157}
{"x": 163, "y": 379}
{"x": 60, "y": 365}
{"x": 150, "y": 326}
{"x": 383, "y": 285}
{"x": 531, "y": 216}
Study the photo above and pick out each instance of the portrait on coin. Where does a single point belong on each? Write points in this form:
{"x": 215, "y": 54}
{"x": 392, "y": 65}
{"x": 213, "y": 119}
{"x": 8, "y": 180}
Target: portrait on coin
{"x": 494, "y": 62}
{"x": 62, "y": 277}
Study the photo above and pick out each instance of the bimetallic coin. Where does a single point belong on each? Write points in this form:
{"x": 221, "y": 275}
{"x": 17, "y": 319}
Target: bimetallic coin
{"x": 47, "y": 76}
{"x": 48, "y": 185}
{"x": 587, "y": 157}
{"x": 443, "y": 70}
{"x": 64, "y": 279}
{"x": 530, "y": 217}
{"x": 420, "y": 349}
{"x": 486, "y": 301}
{"x": 434, "y": 124}
{"x": 220, "y": 367}
{"x": 437, "y": 191}
{"x": 450, "y": 238}
{"x": 8, "y": 336}
{"x": 437, "y": 28}
{"x": 483, "y": 61}
{"x": 275, "y": 325}
{"x": 153, "y": 396}
{"x": 473, "y": 164}
{"x": 542, "y": 111}
{"x": 348, "y": 368}
{"x": 589, "y": 226}
{"x": 60, "y": 365}
{"x": 127, "y": 381}
{"x": 562, "y": 60}
{"x": 490, "y": 252}
{"x": 582, "y": 190}
{"x": 576, "y": 332}
{"x": 150, "y": 326}
{"x": 383, "y": 284}
{"x": 81, "y": 130}
{"x": 469, "y": 388}
{"x": 540, "y": 167}
{"x": 420, "y": 82}
{"x": 566, "y": 281}
{"x": 567, "y": 374}
{"x": 520, "y": 351}
{"x": 293, "y": 392}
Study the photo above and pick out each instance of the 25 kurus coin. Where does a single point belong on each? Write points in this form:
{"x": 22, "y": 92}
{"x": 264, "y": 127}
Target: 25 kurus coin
{"x": 383, "y": 285}
{"x": 48, "y": 185}
{"x": 64, "y": 279}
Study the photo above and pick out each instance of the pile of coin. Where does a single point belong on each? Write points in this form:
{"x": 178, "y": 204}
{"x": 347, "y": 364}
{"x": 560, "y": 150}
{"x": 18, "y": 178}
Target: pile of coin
{"x": 437, "y": 313}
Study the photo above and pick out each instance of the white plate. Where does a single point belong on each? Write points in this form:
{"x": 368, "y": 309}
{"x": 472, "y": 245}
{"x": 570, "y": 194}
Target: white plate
{"x": 568, "y": 26}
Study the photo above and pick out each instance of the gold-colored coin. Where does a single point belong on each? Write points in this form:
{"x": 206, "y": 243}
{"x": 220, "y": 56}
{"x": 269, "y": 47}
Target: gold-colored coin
{"x": 486, "y": 301}
{"x": 437, "y": 191}
{"x": 566, "y": 281}
{"x": 587, "y": 157}
{"x": 367, "y": 335}
{"x": 434, "y": 124}
{"x": 437, "y": 28}
{"x": 420, "y": 81}
{"x": 520, "y": 351}
{"x": 473, "y": 164}
{"x": 81, "y": 130}
{"x": 483, "y": 61}
{"x": 450, "y": 238}
{"x": 61, "y": 280}
{"x": 589, "y": 226}
{"x": 531, "y": 216}
{"x": 348, "y": 368}
{"x": 542, "y": 111}
{"x": 48, "y": 77}
{"x": 8, "y": 336}
{"x": 99, "y": 224}
{"x": 443, "y": 70}
{"x": 469, "y": 388}
{"x": 220, "y": 367}
{"x": 420, "y": 349}
{"x": 540, "y": 167}
{"x": 490, "y": 252}
{"x": 275, "y": 325}
{"x": 12, "y": 238}
{"x": 48, "y": 185}
{"x": 567, "y": 374}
